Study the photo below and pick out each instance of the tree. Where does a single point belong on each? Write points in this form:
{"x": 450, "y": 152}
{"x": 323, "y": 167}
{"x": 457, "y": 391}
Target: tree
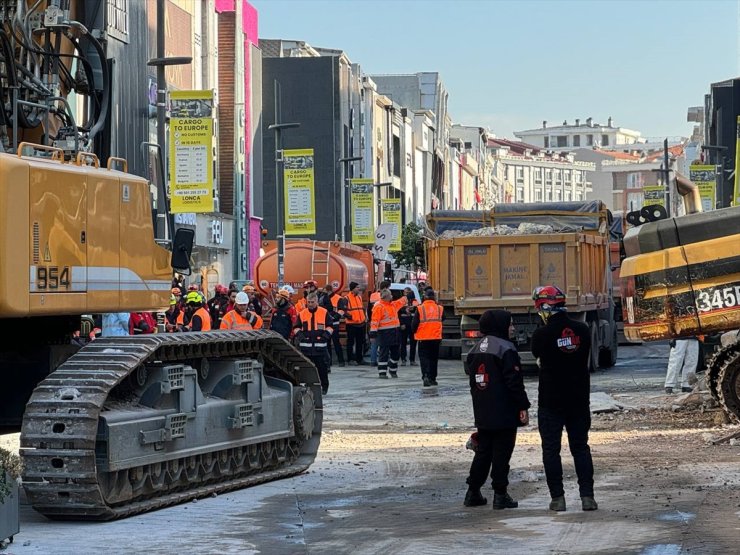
{"x": 412, "y": 254}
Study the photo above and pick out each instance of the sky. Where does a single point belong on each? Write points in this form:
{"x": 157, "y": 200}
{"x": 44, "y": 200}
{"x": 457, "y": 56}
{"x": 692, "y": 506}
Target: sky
{"x": 510, "y": 64}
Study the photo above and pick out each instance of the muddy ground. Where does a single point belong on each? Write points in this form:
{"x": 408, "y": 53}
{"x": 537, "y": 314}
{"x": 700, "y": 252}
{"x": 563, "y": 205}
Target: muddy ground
{"x": 390, "y": 478}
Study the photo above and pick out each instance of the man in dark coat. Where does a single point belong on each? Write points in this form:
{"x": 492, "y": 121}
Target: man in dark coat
{"x": 500, "y": 405}
{"x": 562, "y": 349}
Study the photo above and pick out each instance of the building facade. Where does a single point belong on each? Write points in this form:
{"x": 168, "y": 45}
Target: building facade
{"x": 578, "y": 135}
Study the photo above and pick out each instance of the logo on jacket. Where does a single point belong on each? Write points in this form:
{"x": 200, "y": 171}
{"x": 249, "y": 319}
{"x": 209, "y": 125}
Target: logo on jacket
{"x": 569, "y": 342}
{"x": 483, "y": 347}
{"x": 481, "y": 377}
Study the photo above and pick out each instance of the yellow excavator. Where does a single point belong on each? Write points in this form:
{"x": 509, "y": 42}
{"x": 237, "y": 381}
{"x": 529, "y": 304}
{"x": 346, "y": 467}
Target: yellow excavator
{"x": 681, "y": 278}
{"x": 124, "y": 424}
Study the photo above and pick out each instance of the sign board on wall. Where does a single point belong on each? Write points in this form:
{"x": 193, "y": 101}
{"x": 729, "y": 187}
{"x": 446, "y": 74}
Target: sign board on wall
{"x": 298, "y": 177}
{"x": 705, "y": 177}
{"x": 363, "y": 211}
{"x": 191, "y": 151}
{"x": 653, "y": 194}
{"x": 392, "y": 215}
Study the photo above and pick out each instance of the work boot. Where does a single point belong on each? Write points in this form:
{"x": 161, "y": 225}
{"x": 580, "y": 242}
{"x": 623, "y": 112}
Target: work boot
{"x": 325, "y": 390}
{"x": 394, "y": 374}
{"x": 669, "y": 390}
{"x": 589, "y": 504}
{"x": 427, "y": 382}
{"x": 686, "y": 390}
{"x": 503, "y": 501}
{"x": 558, "y": 504}
{"x": 473, "y": 498}
{"x": 382, "y": 375}
{"x": 434, "y": 382}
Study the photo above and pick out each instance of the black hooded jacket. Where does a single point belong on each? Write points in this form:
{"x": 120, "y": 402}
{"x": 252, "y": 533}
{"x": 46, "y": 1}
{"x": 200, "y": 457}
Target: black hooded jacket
{"x": 496, "y": 382}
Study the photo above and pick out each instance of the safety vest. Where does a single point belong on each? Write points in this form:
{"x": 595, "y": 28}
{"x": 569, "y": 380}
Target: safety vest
{"x": 430, "y": 321}
{"x": 235, "y": 321}
{"x": 300, "y": 305}
{"x": 385, "y": 317}
{"x": 315, "y": 327}
{"x": 375, "y": 297}
{"x": 355, "y": 310}
{"x": 205, "y": 318}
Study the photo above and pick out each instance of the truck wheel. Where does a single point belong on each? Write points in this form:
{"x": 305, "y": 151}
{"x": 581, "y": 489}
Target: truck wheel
{"x": 593, "y": 361}
{"x": 608, "y": 357}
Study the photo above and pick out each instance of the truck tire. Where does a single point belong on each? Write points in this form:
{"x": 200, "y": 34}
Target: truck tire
{"x": 608, "y": 356}
{"x": 593, "y": 361}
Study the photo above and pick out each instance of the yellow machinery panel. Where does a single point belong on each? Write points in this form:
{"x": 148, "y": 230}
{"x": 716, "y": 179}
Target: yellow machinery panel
{"x": 80, "y": 240}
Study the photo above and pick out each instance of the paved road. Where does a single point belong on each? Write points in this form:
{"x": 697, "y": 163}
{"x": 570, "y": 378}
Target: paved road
{"x": 390, "y": 479}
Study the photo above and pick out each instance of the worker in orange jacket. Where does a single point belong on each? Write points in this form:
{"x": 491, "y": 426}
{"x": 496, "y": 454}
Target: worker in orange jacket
{"x": 309, "y": 286}
{"x": 427, "y": 327}
{"x": 312, "y": 334}
{"x": 241, "y": 318}
{"x": 384, "y": 328}
{"x": 355, "y": 323}
{"x": 196, "y": 315}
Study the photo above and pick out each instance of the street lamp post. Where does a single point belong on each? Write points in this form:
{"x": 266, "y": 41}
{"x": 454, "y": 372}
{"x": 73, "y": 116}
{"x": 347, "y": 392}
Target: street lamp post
{"x": 279, "y": 224}
{"x": 346, "y": 195}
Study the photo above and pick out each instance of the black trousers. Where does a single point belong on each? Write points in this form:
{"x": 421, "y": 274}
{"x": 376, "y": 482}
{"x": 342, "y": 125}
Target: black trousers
{"x": 577, "y": 424}
{"x": 429, "y": 357}
{"x": 337, "y": 346}
{"x": 355, "y": 343}
{"x": 494, "y": 453}
{"x": 387, "y": 358}
{"x": 407, "y": 338}
{"x": 322, "y": 363}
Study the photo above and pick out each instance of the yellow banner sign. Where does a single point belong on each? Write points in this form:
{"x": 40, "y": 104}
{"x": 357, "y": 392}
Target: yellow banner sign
{"x": 392, "y": 215}
{"x": 191, "y": 151}
{"x": 363, "y": 211}
{"x": 653, "y": 194}
{"x": 705, "y": 177}
{"x": 300, "y": 208}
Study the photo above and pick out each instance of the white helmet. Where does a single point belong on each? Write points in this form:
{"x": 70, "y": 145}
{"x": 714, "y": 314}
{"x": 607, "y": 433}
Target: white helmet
{"x": 242, "y": 298}
{"x": 289, "y": 289}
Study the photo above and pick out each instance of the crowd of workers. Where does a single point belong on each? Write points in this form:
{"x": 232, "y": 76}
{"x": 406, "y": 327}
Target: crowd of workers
{"x": 394, "y": 326}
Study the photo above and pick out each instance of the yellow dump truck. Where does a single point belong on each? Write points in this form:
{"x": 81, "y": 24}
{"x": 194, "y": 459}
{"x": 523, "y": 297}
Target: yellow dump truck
{"x": 484, "y": 260}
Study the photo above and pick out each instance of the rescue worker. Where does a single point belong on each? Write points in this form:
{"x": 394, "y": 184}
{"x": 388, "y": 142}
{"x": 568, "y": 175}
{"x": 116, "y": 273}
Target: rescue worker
{"x": 195, "y": 313}
{"x": 232, "y": 300}
{"x": 312, "y": 332}
{"x": 179, "y": 299}
{"x": 283, "y": 316}
{"x": 355, "y": 323}
{"x": 500, "y": 405}
{"x": 384, "y": 328}
{"x": 115, "y": 324}
{"x": 254, "y": 301}
{"x": 140, "y": 323}
{"x": 218, "y": 305}
{"x": 682, "y": 361}
{"x": 562, "y": 349}
{"x": 241, "y": 318}
{"x": 427, "y": 329}
{"x": 330, "y": 301}
{"x": 309, "y": 286}
{"x": 171, "y": 315}
{"x": 406, "y": 318}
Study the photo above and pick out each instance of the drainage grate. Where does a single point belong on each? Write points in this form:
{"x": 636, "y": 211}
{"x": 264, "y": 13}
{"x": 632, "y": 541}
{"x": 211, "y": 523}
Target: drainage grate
{"x": 243, "y": 416}
{"x": 176, "y": 425}
{"x": 243, "y": 372}
{"x": 174, "y": 380}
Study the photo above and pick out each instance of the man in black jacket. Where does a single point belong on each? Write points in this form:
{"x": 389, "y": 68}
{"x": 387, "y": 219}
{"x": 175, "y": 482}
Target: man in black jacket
{"x": 562, "y": 350}
{"x": 500, "y": 405}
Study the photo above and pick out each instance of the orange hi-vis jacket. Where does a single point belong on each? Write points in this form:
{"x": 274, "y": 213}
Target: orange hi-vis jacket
{"x": 314, "y": 330}
{"x": 430, "y": 321}
{"x": 232, "y": 320}
{"x": 385, "y": 317}
{"x": 355, "y": 310}
{"x": 205, "y": 319}
{"x": 300, "y": 305}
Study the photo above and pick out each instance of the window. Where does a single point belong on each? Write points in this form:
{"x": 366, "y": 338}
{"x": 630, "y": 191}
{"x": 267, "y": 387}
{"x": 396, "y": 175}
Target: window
{"x": 117, "y": 21}
{"x": 537, "y": 175}
{"x": 558, "y": 195}
{"x": 579, "y": 176}
{"x": 566, "y": 176}
{"x": 567, "y": 196}
{"x": 549, "y": 196}
{"x": 576, "y": 140}
{"x": 519, "y": 174}
{"x": 548, "y": 176}
{"x": 547, "y": 142}
{"x": 589, "y": 140}
{"x": 577, "y": 195}
{"x": 520, "y": 194}
{"x": 562, "y": 140}
{"x": 538, "y": 195}
{"x": 558, "y": 177}
{"x": 605, "y": 140}
{"x": 468, "y": 146}
{"x": 396, "y": 156}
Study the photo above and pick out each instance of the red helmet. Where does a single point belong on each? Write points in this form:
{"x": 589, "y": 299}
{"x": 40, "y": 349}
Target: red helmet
{"x": 176, "y": 291}
{"x": 310, "y": 283}
{"x": 221, "y": 290}
{"x": 548, "y": 297}
{"x": 192, "y": 287}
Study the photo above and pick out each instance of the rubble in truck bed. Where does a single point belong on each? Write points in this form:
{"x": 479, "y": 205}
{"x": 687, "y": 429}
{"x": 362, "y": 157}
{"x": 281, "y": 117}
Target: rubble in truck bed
{"x": 522, "y": 229}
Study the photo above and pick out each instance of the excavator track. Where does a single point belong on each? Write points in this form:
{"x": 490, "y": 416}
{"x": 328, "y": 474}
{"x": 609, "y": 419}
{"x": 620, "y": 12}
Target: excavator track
{"x": 71, "y": 472}
{"x": 726, "y": 366}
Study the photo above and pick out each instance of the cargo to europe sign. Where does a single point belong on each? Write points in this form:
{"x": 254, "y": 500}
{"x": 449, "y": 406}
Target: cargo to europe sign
{"x": 298, "y": 176}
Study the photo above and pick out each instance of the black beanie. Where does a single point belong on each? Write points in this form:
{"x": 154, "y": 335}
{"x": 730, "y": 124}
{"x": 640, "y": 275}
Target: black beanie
{"x": 428, "y": 293}
{"x": 495, "y": 322}
{"x": 353, "y": 285}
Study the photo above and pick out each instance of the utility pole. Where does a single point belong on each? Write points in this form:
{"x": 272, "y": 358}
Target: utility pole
{"x": 346, "y": 196}
{"x": 277, "y": 127}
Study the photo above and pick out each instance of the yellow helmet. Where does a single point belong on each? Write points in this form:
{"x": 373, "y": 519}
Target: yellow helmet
{"x": 193, "y": 298}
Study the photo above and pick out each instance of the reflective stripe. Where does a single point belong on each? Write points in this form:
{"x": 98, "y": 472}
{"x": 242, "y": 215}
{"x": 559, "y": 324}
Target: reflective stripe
{"x": 312, "y": 344}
